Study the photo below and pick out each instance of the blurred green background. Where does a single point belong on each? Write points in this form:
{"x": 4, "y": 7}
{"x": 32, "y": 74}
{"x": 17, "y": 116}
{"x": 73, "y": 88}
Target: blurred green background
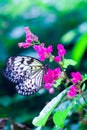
{"x": 54, "y": 22}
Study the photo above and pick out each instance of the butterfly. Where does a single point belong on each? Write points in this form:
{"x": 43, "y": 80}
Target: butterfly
{"x": 26, "y": 72}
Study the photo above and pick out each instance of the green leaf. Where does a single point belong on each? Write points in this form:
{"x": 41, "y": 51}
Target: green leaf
{"x": 85, "y": 116}
{"x": 58, "y": 119}
{"x": 67, "y": 62}
{"x": 83, "y": 87}
{"x": 58, "y": 82}
{"x": 79, "y": 48}
{"x": 68, "y": 37}
{"x": 51, "y": 58}
{"x": 84, "y": 77}
{"x": 47, "y": 110}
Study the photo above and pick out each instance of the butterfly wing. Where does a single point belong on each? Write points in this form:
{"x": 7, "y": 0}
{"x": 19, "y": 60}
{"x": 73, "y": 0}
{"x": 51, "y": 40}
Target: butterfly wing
{"x": 26, "y": 72}
{"x": 30, "y": 85}
{"x": 20, "y": 67}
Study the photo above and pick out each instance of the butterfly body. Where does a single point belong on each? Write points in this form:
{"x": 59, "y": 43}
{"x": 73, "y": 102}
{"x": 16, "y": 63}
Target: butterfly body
{"x": 26, "y": 72}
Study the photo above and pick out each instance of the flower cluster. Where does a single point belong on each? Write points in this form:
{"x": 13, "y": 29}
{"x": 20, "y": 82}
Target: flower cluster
{"x": 30, "y": 38}
{"x": 61, "y": 53}
{"x": 76, "y": 77}
{"x": 61, "y": 50}
{"x": 72, "y": 91}
{"x": 42, "y": 51}
{"x": 61, "y": 77}
{"x": 50, "y": 77}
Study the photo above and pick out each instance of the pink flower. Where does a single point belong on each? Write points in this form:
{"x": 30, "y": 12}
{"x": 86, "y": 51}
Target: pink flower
{"x": 57, "y": 73}
{"x": 21, "y": 44}
{"x": 24, "y": 44}
{"x": 50, "y": 77}
{"x": 38, "y": 47}
{"x": 57, "y": 59}
{"x": 48, "y": 86}
{"x": 42, "y": 51}
{"x": 76, "y": 77}
{"x": 61, "y": 50}
{"x": 72, "y": 91}
{"x": 30, "y": 38}
{"x": 51, "y": 90}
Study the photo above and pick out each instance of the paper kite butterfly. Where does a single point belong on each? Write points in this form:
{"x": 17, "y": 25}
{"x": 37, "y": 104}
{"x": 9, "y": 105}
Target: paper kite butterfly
{"x": 26, "y": 72}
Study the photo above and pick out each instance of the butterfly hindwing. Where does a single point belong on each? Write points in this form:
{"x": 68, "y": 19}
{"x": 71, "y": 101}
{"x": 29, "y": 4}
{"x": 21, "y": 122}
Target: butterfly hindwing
{"x": 31, "y": 85}
{"x": 26, "y": 72}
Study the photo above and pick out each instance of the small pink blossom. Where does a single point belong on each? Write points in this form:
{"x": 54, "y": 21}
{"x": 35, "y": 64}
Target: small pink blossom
{"x": 48, "y": 86}
{"x": 30, "y": 38}
{"x": 61, "y": 50}
{"x": 20, "y": 44}
{"x": 29, "y": 35}
{"x": 72, "y": 91}
{"x": 37, "y": 47}
{"x": 76, "y": 77}
{"x": 24, "y": 44}
{"x": 71, "y": 94}
{"x": 51, "y": 90}
{"x": 51, "y": 76}
{"x": 57, "y": 73}
{"x": 42, "y": 51}
{"x": 57, "y": 59}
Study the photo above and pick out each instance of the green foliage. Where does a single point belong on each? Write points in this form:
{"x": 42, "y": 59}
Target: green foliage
{"x": 83, "y": 87}
{"x": 67, "y": 62}
{"x": 84, "y": 77}
{"x": 58, "y": 82}
{"x": 80, "y": 48}
{"x": 60, "y": 116}
{"x": 68, "y": 37}
{"x": 48, "y": 109}
{"x": 84, "y": 80}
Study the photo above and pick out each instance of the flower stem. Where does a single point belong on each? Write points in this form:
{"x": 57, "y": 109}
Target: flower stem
{"x": 84, "y": 99}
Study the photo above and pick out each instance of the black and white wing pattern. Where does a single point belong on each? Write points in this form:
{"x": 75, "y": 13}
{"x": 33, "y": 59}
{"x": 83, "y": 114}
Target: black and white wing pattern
{"x": 26, "y": 72}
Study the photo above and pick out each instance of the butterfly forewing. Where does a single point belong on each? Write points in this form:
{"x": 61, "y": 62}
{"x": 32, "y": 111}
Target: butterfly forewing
{"x": 26, "y": 72}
